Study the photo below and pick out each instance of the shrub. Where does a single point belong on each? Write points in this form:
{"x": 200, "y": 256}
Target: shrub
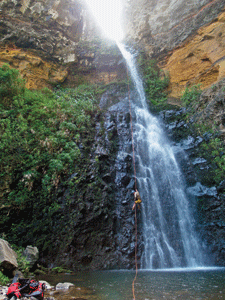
{"x": 4, "y": 280}
{"x": 191, "y": 95}
{"x": 155, "y": 85}
{"x": 40, "y": 134}
{"x": 23, "y": 264}
{"x": 10, "y": 85}
{"x": 214, "y": 151}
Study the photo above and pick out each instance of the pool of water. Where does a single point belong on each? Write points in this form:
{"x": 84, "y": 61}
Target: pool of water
{"x": 198, "y": 284}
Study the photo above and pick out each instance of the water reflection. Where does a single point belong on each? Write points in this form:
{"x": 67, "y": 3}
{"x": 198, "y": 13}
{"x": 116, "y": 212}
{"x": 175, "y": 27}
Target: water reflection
{"x": 204, "y": 284}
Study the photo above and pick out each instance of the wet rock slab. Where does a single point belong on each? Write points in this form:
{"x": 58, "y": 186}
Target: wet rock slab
{"x": 72, "y": 293}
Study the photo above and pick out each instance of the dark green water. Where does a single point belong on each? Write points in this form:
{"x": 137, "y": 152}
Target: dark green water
{"x": 201, "y": 284}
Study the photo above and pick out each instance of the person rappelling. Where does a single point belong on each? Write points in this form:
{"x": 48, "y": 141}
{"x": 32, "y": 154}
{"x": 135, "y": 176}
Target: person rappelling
{"x": 137, "y": 200}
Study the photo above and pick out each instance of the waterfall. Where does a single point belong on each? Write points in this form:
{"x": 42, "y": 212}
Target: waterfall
{"x": 169, "y": 237}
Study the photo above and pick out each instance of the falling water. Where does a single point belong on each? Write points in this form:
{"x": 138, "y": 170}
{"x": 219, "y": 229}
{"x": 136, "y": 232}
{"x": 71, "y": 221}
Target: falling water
{"x": 170, "y": 240}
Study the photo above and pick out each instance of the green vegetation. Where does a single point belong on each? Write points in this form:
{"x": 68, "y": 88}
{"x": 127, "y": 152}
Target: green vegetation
{"x": 23, "y": 264}
{"x": 41, "y": 134}
{"x": 191, "y": 95}
{"x": 155, "y": 84}
{"x": 11, "y": 85}
{"x": 47, "y": 169}
{"x": 214, "y": 151}
{"x": 212, "y": 148}
{"x": 3, "y": 279}
{"x": 58, "y": 270}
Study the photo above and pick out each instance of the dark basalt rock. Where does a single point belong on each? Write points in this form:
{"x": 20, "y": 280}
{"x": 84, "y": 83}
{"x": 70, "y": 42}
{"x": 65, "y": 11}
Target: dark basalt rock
{"x": 221, "y": 187}
{"x": 207, "y": 199}
{"x": 103, "y": 229}
{"x": 102, "y": 234}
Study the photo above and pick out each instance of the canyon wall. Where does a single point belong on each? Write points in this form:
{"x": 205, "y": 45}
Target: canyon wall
{"x": 53, "y": 42}
{"x": 57, "y": 43}
{"x": 186, "y": 37}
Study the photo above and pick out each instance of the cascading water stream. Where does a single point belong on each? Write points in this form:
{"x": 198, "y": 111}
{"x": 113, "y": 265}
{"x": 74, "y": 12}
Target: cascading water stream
{"x": 170, "y": 240}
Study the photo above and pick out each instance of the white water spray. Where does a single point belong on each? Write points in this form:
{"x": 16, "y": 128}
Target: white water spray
{"x": 170, "y": 240}
{"x": 108, "y": 15}
{"x": 169, "y": 237}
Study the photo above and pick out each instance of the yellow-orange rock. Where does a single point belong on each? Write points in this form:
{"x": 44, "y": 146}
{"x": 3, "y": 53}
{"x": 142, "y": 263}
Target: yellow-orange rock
{"x": 37, "y": 72}
{"x": 201, "y": 60}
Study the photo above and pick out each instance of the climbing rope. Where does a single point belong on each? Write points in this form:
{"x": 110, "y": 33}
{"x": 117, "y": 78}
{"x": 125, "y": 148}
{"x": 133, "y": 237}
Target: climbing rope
{"x": 132, "y": 135}
{"x": 136, "y": 266}
{"x": 131, "y": 126}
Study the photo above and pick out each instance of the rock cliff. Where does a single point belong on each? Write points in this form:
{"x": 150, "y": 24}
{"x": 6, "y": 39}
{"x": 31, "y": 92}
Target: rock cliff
{"x": 52, "y": 42}
{"x": 186, "y": 37}
{"x": 200, "y": 167}
{"x": 57, "y": 43}
{"x": 200, "y": 60}
{"x": 163, "y": 25}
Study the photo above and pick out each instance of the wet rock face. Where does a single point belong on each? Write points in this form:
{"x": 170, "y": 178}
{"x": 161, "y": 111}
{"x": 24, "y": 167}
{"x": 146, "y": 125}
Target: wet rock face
{"x": 124, "y": 180}
{"x": 103, "y": 229}
{"x": 210, "y": 108}
{"x": 206, "y": 197}
{"x": 52, "y": 42}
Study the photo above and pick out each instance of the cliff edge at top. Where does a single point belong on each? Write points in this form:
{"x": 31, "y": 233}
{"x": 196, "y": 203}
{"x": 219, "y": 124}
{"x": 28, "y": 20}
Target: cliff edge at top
{"x": 55, "y": 42}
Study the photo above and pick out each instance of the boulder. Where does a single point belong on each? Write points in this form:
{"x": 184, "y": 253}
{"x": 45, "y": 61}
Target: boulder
{"x": 221, "y": 187}
{"x": 3, "y": 291}
{"x": 31, "y": 254}
{"x": 199, "y": 190}
{"x": 64, "y": 286}
{"x": 47, "y": 285}
{"x": 8, "y": 257}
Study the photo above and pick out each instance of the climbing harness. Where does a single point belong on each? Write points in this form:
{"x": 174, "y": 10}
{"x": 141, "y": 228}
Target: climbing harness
{"x": 132, "y": 135}
{"x": 138, "y": 201}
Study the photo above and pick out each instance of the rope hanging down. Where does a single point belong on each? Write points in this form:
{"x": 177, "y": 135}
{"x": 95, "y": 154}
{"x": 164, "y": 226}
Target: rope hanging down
{"x": 131, "y": 125}
{"x": 132, "y": 135}
{"x": 136, "y": 266}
